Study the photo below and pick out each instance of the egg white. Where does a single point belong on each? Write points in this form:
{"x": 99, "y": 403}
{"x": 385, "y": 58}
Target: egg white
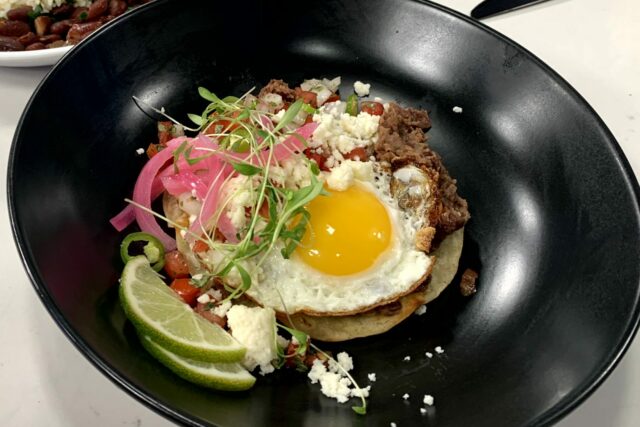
{"x": 292, "y": 286}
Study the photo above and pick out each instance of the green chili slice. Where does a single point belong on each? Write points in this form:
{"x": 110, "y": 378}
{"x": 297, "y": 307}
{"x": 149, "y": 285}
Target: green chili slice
{"x": 352, "y": 105}
{"x": 151, "y": 248}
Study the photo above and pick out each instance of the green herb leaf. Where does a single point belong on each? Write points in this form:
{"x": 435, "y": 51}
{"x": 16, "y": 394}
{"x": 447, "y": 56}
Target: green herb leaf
{"x": 209, "y": 96}
{"x": 246, "y": 282}
{"x": 196, "y": 119}
{"x": 361, "y": 410}
{"x": 230, "y": 99}
{"x": 37, "y": 11}
{"x": 200, "y": 282}
{"x": 289, "y": 115}
{"x": 300, "y": 336}
{"x": 243, "y": 115}
{"x": 308, "y": 109}
{"x": 313, "y": 167}
{"x": 246, "y": 169}
{"x": 176, "y": 155}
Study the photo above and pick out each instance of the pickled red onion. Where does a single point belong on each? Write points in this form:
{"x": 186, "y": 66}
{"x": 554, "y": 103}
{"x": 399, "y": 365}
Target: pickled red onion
{"x": 142, "y": 195}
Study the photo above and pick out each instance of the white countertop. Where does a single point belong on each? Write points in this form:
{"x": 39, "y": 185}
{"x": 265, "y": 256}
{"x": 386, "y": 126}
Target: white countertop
{"x": 44, "y": 380}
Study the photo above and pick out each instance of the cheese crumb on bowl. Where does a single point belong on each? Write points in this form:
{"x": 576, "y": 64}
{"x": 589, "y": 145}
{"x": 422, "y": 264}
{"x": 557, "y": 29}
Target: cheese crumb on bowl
{"x": 334, "y": 381}
{"x": 361, "y": 89}
{"x": 428, "y": 400}
{"x": 255, "y": 328}
{"x": 420, "y": 310}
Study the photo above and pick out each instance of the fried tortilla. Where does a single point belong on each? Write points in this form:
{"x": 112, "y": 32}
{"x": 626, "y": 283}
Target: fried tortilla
{"x": 379, "y": 320}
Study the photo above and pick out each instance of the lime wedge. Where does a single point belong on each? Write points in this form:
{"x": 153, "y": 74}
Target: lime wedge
{"x": 158, "y": 312}
{"x": 219, "y": 376}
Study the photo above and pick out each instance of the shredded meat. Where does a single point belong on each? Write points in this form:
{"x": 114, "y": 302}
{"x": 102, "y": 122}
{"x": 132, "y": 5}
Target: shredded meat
{"x": 402, "y": 141}
{"x": 279, "y": 87}
{"x": 468, "y": 282}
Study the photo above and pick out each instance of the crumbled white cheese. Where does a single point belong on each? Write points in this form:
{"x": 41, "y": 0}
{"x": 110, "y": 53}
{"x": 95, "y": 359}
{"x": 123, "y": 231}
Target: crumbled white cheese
{"x": 204, "y": 298}
{"x": 362, "y": 392}
{"x": 341, "y": 132}
{"x": 333, "y": 381}
{"x": 421, "y": 310}
{"x": 372, "y": 377}
{"x": 423, "y": 411}
{"x": 407, "y": 358}
{"x": 393, "y": 425}
{"x": 221, "y": 310}
{"x": 405, "y": 396}
{"x": 322, "y": 88}
{"x": 255, "y": 328}
{"x": 439, "y": 350}
{"x": 273, "y": 100}
{"x": 282, "y": 341}
{"x": 429, "y": 355}
{"x": 332, "y": 384}
{"x": 140, "y": 151}
{"x": 239, "y": 193}
{"x": 294, "y": 173}
{"x": 457, "y": 109}
{"x": 361, "y": 89}
{"x": 428, "y": 400}
{"x": 278, "y": 116}
{"x": 343, "y": 176}
{"x": 345, "y": 361}
{"x": 215, "y": 294}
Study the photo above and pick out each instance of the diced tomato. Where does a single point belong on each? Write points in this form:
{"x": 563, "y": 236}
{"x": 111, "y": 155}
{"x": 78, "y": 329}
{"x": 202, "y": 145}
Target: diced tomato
{"x": 186, "y": 290}
{"x": 152, "y": 150}
{"x": 200, "y": 246}
{"x": 372, "y": 107}
{"x": 164, "y": 132}
{"x": 307, "y": 97}
{"x": 316, "y": 157}
{"x": 175, "y": 265}
{"x": 204, "y": 311}
{"x": 309, "y": 119}
{"x": 223, "y": 125}
{"x": 333, "y": 98}
{"x": 358, "y": 153}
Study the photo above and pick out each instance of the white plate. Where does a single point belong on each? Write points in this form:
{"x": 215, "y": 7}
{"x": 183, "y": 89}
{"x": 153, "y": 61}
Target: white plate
{"x": 33, "y": 58}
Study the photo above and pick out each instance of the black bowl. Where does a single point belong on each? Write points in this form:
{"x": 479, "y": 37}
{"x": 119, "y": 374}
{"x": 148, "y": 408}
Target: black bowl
{"x": 554, "y": 229}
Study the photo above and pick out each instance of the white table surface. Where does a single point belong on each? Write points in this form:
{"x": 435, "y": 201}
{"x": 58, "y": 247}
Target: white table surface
{"x": 45, "y": 381}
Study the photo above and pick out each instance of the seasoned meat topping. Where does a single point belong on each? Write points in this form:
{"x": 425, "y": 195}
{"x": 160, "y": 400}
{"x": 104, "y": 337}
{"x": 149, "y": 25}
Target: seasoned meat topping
{"x": 279, "y": 87}
{"x": 402, "y": 141}
{"x": 468, "y": 282}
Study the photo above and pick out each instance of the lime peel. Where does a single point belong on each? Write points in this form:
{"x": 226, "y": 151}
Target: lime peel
{"x": 157, "y": 311}
{"x": 219, "y": 376}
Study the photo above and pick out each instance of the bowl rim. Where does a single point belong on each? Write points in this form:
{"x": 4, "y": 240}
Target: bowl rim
{"x": 552, "y": 416}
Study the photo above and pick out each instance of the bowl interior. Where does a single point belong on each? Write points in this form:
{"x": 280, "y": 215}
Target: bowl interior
{"x": 554, "y": 228}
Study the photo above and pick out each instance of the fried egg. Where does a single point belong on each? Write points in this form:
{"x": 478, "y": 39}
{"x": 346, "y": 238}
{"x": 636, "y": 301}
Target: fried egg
{"x": 358, "y": 251}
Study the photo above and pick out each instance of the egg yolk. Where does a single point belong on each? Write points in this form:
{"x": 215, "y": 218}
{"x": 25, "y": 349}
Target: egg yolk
{"x": 347, "y": 232}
